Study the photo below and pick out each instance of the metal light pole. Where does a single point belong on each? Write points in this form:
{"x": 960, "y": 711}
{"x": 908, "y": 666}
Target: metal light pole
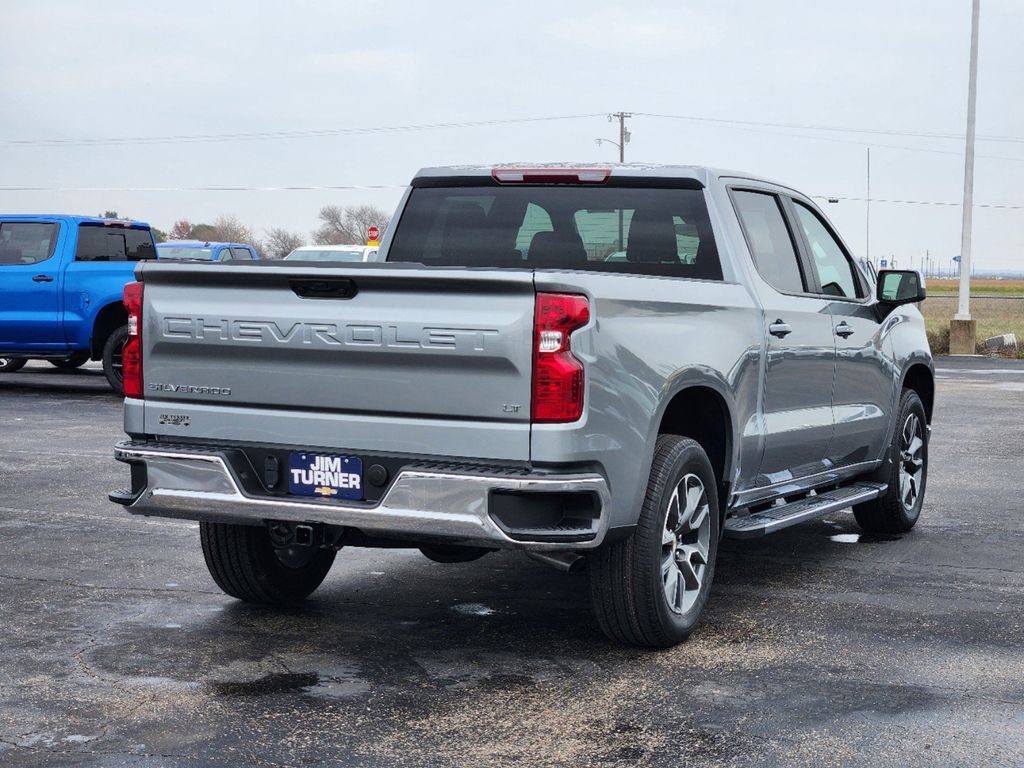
{"x": 962, "y": 329}
{"x": 867, "y": 221}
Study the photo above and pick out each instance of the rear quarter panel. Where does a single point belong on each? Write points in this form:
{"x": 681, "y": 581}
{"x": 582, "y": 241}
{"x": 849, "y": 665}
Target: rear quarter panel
{"x": 650, "y": 338}
{"x": 89, "y": 287}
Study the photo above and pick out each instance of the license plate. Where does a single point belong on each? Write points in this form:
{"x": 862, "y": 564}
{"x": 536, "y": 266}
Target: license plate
{"x": 320, "y": 474}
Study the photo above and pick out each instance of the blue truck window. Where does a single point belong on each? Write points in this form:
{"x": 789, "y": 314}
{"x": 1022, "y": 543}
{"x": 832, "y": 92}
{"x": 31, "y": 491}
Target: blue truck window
{"x": 25, "y": 242}
{"x": 100, "y": 243}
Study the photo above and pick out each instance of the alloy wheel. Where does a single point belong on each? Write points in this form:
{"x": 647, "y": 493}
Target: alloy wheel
{"x": 911, "y": 461}
{"x": 685, "y": 543}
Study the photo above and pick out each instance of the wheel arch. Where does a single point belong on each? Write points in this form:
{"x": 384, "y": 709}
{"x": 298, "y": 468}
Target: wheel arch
{"x": 110, "y": 317}
{"x": 700, "y": 407}
{"x": 920, "y": 377}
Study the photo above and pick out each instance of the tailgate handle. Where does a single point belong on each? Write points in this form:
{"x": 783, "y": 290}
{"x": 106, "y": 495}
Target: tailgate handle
{"x": 324, "y": 289}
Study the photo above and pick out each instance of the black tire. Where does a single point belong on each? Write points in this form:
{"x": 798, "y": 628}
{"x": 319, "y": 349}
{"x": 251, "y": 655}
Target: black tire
{"x": 112, "y": 351}
{"x": 244, "y": 563}
{"x": 627, "y": 588}
{"x": 70, "y": 363}
{"x": 12, "y": 364}
{"x": 891, "y": 513}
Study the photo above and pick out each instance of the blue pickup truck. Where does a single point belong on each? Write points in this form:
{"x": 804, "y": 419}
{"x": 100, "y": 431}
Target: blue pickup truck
{"x": 61, "y": 284}
{"x": 199, "y": 250}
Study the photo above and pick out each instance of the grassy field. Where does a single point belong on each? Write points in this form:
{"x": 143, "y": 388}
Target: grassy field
{"x": 985, "y": 286}
{"x": 994, "y": 316}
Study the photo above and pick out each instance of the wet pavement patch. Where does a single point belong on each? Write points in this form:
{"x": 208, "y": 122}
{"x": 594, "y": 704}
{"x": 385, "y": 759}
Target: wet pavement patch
{"x": 863, "y": 538}
{"x": 284, "y": 682}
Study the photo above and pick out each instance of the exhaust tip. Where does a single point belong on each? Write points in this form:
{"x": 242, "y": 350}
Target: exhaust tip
{"x": 566, "y": 562}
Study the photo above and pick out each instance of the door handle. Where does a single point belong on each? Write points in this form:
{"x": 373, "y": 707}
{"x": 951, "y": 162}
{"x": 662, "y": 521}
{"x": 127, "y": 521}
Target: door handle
{"x": 780, "y": 329}
{"x": 42, "y": 279}
{"x": 844, "y": 329}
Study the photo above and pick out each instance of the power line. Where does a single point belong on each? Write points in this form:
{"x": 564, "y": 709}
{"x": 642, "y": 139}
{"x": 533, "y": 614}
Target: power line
{"x": 272, "y": 135}
{"x": 772, "y": 127}
{"x": 335, "y": 187}
{"x": 291, "y": 188}
{"x": 831, "y": 128}
{"x": 861, "y": 143}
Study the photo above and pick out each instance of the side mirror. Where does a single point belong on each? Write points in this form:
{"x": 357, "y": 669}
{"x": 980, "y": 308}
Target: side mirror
{"x": 899, "y": 286}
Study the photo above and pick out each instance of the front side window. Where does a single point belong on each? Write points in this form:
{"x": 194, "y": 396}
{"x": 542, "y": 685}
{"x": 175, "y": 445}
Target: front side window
{"x": 102, "y": 243}
{"x": 768, "y": 236}
{"x": 26, "y": 242}
{"x": 834, "y": 267}
{"x": 632, "y": 229}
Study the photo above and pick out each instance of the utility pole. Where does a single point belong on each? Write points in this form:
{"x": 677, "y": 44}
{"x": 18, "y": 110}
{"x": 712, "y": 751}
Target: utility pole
{"x": 624, "y": 137}
{"x": 623, "y": 133}
{"x": 962, "y": 329}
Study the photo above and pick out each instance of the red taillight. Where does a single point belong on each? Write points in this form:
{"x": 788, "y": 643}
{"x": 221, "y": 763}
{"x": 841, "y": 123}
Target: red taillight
{"x": 557, "y": 374}
{"x": 131, "y": 358}
{"x": 552, "y": 175}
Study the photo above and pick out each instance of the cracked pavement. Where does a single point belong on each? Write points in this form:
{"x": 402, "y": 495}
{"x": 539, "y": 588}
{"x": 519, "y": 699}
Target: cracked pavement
{"x": 819, "y": 647}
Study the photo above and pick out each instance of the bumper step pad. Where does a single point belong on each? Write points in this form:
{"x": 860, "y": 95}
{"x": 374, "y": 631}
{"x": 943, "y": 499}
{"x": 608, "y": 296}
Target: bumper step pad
{"x": 785, "y": 515}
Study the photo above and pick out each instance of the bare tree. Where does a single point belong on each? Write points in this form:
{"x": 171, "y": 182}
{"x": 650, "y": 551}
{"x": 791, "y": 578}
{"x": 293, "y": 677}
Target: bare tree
{"x": 348, "y": 225}
{"x": 280, "y": 242}
{"x": 228, "y": 229}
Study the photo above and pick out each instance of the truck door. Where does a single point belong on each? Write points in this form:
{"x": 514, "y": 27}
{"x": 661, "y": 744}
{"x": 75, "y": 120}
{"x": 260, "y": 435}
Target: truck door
{"x": 865, "y": 387}
{"x": 800, "y": 349}
{"x": 30, "y": 284}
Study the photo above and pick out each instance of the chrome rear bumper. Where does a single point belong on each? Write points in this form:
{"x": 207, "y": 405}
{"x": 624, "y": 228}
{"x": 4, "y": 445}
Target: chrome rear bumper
{"x": 194, "y": 483}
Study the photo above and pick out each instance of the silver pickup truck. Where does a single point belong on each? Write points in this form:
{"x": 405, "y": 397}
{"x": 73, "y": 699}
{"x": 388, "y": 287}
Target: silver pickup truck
{"x": 603, "y": 366}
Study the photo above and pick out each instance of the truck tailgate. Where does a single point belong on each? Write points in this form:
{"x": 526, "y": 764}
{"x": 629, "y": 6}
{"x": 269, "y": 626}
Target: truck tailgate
{"x": 393, "y": 344}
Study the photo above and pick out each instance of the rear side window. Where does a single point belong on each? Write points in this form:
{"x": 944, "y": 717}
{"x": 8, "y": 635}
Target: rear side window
{"x": 834, "y": 267}
{"x": 658, "y": 231}
{"x": 99, "y": 243}
{"x": 242, "y": 253}
{"x": 26, "y": 242}
{"x": 769, "y": 240}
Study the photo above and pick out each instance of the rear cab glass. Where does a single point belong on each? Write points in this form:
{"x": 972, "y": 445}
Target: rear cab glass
{"x": 100, "y": 242}
{"x": 631, "y": 228}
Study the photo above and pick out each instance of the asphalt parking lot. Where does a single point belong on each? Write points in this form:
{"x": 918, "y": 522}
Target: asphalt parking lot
{"x": 819, "y": 646}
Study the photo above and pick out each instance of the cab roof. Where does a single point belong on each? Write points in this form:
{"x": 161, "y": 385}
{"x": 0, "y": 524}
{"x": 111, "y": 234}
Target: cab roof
{"x": 201, "y": 244}
{"x": 702, "y": 174}
{"x": 74, "y": 219}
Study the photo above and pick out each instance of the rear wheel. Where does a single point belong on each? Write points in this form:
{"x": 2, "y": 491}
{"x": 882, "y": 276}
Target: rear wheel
{"x": 113, "y": 352}
{"x": 650, "y": 589}
{"x": 70, "y": 363}
{"x": 245, "y": 564}
{"x": 899, "y": 508}
{"x": 12, "y": 364}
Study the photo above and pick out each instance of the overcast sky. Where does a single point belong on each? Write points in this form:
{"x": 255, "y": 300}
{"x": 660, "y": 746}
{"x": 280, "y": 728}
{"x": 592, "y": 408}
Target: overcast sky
{"x": 107, "y": 70}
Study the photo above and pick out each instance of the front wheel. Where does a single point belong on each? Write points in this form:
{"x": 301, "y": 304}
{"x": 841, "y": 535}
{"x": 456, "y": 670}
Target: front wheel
{"x": 245, "y": 564}
{"x": 650, "y": 589}
{"x": 12, "y": 364}
{"x": 899, "y": 508}
{"x": 113, "y": 355}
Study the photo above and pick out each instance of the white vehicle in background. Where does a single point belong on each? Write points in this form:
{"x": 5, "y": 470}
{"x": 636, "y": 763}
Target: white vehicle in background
{"x": 347, "y": 253}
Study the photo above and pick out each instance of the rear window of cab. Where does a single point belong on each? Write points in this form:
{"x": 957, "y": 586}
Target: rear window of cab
{"x": 630, "y": 229}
